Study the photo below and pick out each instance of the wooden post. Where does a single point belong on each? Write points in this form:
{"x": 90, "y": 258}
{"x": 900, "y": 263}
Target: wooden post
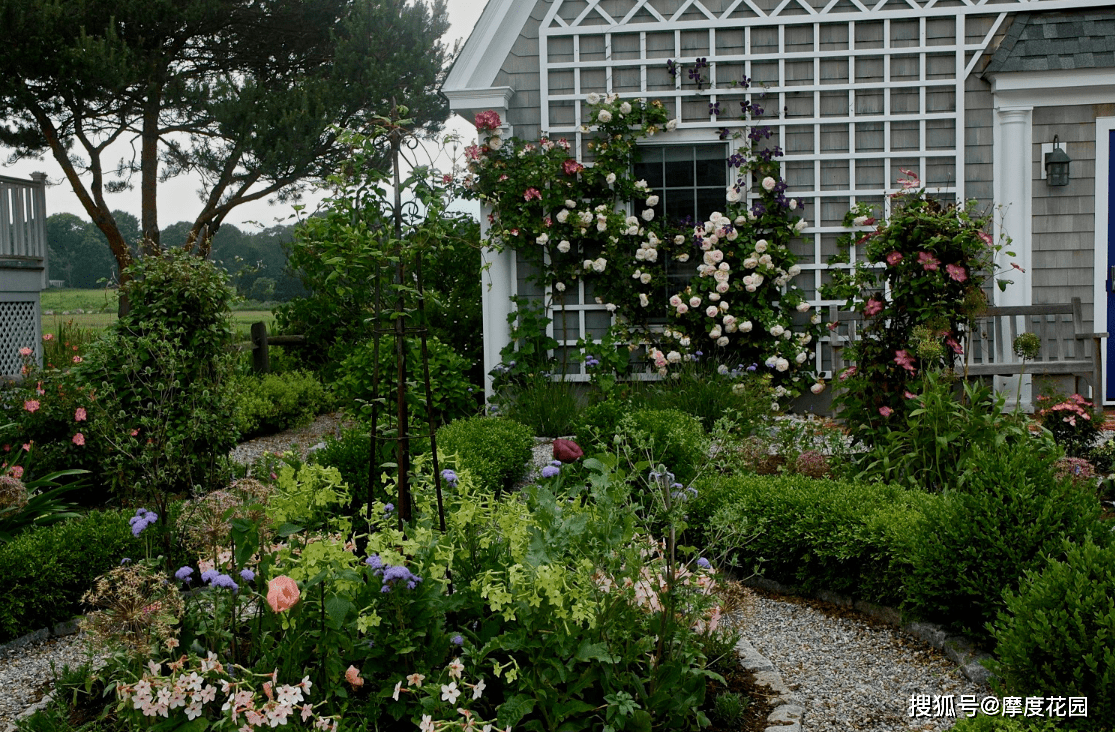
{"x": 261, "y": 359}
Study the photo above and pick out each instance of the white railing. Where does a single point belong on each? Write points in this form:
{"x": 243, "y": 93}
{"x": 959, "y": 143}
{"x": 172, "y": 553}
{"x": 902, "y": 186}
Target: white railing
{"x": 23, "y": 217}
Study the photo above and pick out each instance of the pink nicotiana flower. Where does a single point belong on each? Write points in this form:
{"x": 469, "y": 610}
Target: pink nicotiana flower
{"x": 886, "y": 411}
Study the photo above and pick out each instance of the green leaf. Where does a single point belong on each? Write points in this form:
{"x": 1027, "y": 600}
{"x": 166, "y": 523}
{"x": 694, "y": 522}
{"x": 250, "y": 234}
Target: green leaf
{"x": 336, "y": 608}
{"x": 288, "y": 530}
{"x": 514, "y": 709}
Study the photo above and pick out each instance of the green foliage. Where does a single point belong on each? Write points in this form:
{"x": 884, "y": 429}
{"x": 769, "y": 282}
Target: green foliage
{"x": 161, "y": 375}
{"x": 854, "y": 538}
{"x": 933, "y": 443}
{"x": 272, "y": 403}
{"x": 1074, "y": 423}
{"x": 598, "y": 424}
{"x": 983, "y": 723}
{"x": 494, "y": 450}
{"x": 452, "y": 392}
{"x": 710, "y": 393}
{"x": 1054, "y": 637}
{"x": 549, "y": 408}
{"x": 982, "y": 538}
{"x": 931, "y": 261}
{"x": 728, "y": 708}
{"x": 46, "y": 571}
{"x": 667, "y": 437}
{"x": 308, "y": 496}
{"x": 43, "y": 503}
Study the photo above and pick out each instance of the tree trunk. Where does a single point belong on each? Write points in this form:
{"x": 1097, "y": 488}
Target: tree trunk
{"x": 149, "y": 171}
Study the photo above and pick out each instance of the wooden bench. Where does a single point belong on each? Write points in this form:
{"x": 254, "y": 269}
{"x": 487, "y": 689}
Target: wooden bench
{"x": 1067, "y": 349}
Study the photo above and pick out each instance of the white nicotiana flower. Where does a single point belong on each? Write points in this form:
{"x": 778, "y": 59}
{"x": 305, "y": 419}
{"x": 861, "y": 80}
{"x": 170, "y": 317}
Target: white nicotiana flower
{"x": 610, "y": 178}
{"x": 625, "y": 108}
{"x": 560, "y": 286}
{"x": 563, "y": 246}
{"x": 652, "y": 200}
{"x": 593, "y": 98}
{"x": 671, "y": 125}
{"x": 761, "y": 246}
{"x": 817, "y": 388}
{"x": 722, "y": 341}
{"x": 803, "y": 307}
{"x": 643, "y": 300}
{"x": 648, "y": 214}
{"x": 495, "y": 143}
{"x": 745, "y": 326}
{"x": 769, "y": 183}
{"x": 777, "y": 330}
{"x": 645, "y": 279}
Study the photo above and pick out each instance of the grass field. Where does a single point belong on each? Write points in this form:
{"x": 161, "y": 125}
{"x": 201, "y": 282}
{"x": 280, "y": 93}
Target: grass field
{"x": 98, "y": 311}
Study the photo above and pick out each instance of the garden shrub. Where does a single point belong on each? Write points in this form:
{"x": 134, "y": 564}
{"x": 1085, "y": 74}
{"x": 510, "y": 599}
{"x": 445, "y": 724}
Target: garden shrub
{"x": 852, "y": 538}
{"x": 494, "y": 450}
{"x": 738, "y": 393}
{"x": 667, "y": 437}
{"x": 549, "y": 408}
{"x": 1055, "y": 636}
{"x": 1074, "y": 422}
{"x": 45, "y": 572}
{"x": 164, "y": 407}
{"x": 598, "y": 424}
{"x": 452, "y": 393}
{"x": 979, "y": 540}
{"x": 275, "y": 402}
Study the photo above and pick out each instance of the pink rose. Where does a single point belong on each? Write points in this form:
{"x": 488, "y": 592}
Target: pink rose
{"x": 79, "y": 439}
{"x": 571, "y": 167}
{"x": 487, "y": 120}
{"x": 25, "y": 351}
{"x": 79, "y": 414}
{"x": 282, "y": 593}
{"x": 31, "y": 405}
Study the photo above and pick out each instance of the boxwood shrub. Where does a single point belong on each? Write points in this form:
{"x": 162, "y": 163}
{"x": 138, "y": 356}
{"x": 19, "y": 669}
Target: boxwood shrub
{"x": 668, "y": 437}
{"x": 44, "y": 572}
{"x": 852, "y": 538}
{"x": 494, "y": 450}
{"x": 271, "y": 403}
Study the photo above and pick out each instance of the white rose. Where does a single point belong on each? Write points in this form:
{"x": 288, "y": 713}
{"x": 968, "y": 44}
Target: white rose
{"x": 781, "y": 364}
{"x": 625, "y": 108}
{"x": 641, "y": 185}
{"x": 794, "y": 270}
{"x": 593, "y": 98}
{"x": 765, "y": 260}
{"x": 645, "y": 279}
{"x": 610, "y": 178}
{"x": 815, "y": 319}
{"x": 724, "y": 305}
{"x": 769, "y": 183}
{"x": 610, "y": 307}
{"x": 761, "y": 246}
{"x": 694, "y": 302}
{"x": 777, "y": 330}
{"x": 722, "y": 341}
{"x": 652, "y": 255}
{"x": 588, "y": 264}
{"x": 671, "y": 125}
{"x": 800, "y": 358}
{"x": 793, "y": 206}
{"x": 721, "y": 286}
{"x": 675, "y": 301}
{"x": 751, "y": 288}
{"x": 643, "y": 301}
{"x": 817, "y": 388}
{"x": 751, "y": 263}
{"x": 638, "y": 273}
{"x": 682, "y": 310}
{"x": 733, "y": 195}
{"x": 600, "y": 264}
{"x": 712, "y": 311}
{"x": 800, "y": 225}
{"x": 652, "y": 200}
{"x": 602, "y": 225}
{"x": 803, "y": 307}
{"x": 563, "y": 216}
{"x": 729, "y": 320}
{"x": 543, "y": 238}
{"x": 560, "y": 287}
{"x": 715, "y": 332}
{"x": 563, "y": 246}
{"x": 684, "y": 342}
{"x": 604, "y": 116}
{"x": 648, "y": 214}
{"x": 585, "y": 217}
{"x": 673, "y": 357}
{"x": 733, "y": 235}
{"x": 679, "y": 239}
{"x": 570, "y": 203}
{"x": 495, "y": 143}
{"x": 804, "y": 339}
{"x": 683, "y": 257}
{"x": 722, "y": 369}
{"x": 740, "y": 220}
{"x": 713, "y": 296}
{"x": 745, "y": 326}
{"x": 859, "y": 220}
{"x": 770, "y": 362}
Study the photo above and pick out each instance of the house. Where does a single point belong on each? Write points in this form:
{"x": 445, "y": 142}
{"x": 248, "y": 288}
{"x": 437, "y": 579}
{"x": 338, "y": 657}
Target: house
{"x": 23, "y": 259}
{"x": 970, "y": 94}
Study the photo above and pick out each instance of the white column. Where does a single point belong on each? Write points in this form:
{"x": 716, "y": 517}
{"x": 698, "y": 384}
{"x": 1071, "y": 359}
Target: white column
{"x": 497, "y": 287}
{"x": 1013, "y": 172}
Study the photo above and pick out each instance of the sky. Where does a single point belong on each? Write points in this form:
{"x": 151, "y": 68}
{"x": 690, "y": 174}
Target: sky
{"x": 179, "y": 199}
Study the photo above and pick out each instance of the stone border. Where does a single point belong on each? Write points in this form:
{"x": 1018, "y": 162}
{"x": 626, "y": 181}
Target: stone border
{"x": 788, "y": 711}
{"x": 68, "y": 627}
{"x": 959, "y": 648}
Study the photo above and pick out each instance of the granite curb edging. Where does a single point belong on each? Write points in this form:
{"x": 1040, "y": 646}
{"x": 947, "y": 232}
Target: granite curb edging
{"x": 67, "y": 627}
{"x": 788, "y": 710}
{"x": 959, "y": 648}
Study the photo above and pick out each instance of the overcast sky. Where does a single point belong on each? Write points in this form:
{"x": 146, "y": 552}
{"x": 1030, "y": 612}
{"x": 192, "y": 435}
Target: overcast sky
{"x": 179, "y": 199}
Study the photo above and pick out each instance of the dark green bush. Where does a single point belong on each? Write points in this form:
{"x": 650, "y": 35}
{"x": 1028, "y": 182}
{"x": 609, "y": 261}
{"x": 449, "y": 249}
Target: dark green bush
{"x": 44, "y": 572}
{"x": 667, "y": 437}
{"x": 549, "y": 408}
{"x": 708, "y": 395}
{"x": 494, "y": 450}
{"x": 452, "y": 392}
{"x": 275, "y": 402}
{"x": 980, "y": 540}
{"x": 1056, "y": 636}
{"x": 852, "y": 538}
{"x": 597, "y": 425}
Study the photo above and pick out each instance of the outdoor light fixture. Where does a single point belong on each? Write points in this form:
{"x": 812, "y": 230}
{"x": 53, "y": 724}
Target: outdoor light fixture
{"x": 1057, "y": 166}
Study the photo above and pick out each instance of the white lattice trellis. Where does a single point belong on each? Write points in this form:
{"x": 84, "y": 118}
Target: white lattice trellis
{"x": 855, "y": 89}
{"x": 18, "y": 329}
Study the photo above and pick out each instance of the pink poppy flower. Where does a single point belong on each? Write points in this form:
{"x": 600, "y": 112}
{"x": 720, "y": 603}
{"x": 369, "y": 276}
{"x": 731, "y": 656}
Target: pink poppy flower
{"x": 905, "y": 360}
{"x": 886, "y": 411}
{"x": 79, "y": 439}
{"x": 25, "y": 351}
{"x": 894, "y": 258}
{"x": 282, "y": 593}
{"x": 928, "y": 261}
{"x": 873, "y": 307}
{"x": 956, "y": 272}
{"x": 31, "y": 405}
{"x": 79, "y": 414}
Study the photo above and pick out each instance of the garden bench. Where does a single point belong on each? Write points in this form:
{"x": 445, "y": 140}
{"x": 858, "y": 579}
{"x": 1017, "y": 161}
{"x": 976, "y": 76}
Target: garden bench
{"x": 1067, "y": 349}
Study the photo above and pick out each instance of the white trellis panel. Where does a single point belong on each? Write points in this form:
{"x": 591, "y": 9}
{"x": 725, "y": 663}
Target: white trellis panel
{"x": 855, "y": 89}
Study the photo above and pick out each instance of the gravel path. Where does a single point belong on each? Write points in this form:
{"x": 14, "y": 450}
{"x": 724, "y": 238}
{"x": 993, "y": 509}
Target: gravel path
{"x": 851, "y": 673}
{"x": 24, "y": 672}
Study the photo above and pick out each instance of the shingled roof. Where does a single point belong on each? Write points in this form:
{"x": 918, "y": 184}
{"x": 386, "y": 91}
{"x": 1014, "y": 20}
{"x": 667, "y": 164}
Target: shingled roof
{"x": 1055, "y": 41}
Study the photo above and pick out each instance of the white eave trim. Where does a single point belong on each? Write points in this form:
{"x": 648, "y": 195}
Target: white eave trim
{"x": 467, "y": 102}
{"x": 1054, "y": 88}
{"x": 487, "y": 46}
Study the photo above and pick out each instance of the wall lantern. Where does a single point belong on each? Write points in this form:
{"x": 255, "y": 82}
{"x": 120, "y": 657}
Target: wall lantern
{"x": 1057, "y": 166}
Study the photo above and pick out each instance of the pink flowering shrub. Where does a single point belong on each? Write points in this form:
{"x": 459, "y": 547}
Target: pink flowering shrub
{"x": 1074, "y": 422}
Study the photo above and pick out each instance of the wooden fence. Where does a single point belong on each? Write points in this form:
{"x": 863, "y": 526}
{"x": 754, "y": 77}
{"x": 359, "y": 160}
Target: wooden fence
{"x": 260, "y": 344}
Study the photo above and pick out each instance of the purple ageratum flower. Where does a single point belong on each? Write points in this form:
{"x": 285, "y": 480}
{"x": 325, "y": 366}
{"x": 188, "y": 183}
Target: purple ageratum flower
{"x": 555, "y": 463}
{"x": 389, "y": 508}
{"x": 449, "y": 477}
{"x": 209, "y": 575}
{"x": 223, "y": 580}
{"x": 457, "y": 640}
{"x": 550, "y": 471}
{"x": 142, "y": 520}
{"x": 125, "y": 560}
{"x": 247, "y": 575}
{"x": 375, "y": 563}
{"x": 394, "y": 574}
{"x": 184, "y": 574}
{"x": 704, "y": 563}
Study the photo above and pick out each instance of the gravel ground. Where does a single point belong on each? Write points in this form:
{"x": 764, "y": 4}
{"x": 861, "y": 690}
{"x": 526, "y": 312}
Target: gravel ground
{"x": 26, "y": 672}
{"x": 851, "y": 673}
{"x": 299, "y": 440}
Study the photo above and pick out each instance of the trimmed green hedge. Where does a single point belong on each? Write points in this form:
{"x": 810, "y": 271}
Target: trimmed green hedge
{"x": 856, "y": 539}
{"x": 494, "y": 450}
{"x": 271, "y": 403}
{"x": 45, "y": 572}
